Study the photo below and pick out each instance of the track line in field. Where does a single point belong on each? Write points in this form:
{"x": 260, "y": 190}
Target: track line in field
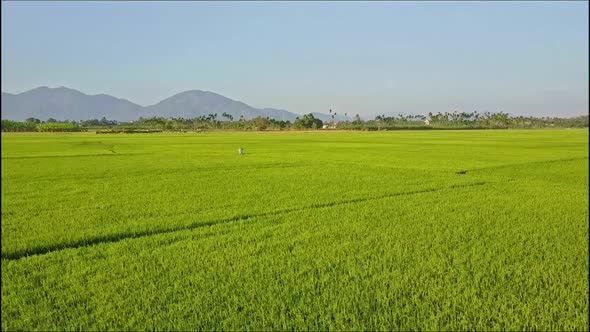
{"x": 129, "y": 174}
{"x": 521, "y": 164}
{"x": 77, "y": 155}
{"x": 460, "y": 171}
{"x": 42, "y": 250}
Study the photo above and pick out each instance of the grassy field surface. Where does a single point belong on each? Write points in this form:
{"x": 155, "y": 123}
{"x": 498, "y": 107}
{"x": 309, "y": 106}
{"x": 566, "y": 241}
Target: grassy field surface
{"x": 420, "y": 230}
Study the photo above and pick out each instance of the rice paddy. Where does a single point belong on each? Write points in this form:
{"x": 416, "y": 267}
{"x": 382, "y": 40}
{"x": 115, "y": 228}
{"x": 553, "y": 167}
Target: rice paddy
{"x": 405, "y": 230}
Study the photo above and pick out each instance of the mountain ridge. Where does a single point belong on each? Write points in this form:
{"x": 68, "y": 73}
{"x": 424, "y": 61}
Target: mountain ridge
{"x": 63, "y": 103}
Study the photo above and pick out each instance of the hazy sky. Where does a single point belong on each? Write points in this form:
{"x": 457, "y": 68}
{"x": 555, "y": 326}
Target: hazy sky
{"x": 354, "y": 57}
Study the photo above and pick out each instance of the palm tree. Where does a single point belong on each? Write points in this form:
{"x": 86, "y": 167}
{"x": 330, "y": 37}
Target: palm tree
{"x": 379, "y": 118}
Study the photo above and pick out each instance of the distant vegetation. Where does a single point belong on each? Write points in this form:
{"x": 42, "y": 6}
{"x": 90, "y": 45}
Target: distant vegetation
{"x": 455, "y": 120}
{"x": 462, "y": 120}
{"x": 58, "y": 127}
{"x": 32, "y": 124}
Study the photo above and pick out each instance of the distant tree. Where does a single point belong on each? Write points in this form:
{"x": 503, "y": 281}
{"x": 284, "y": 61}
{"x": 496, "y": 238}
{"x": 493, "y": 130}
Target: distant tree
{"x": 308, "y": 121}
{"x": 51, "y": 120}
{"x": 228, "y": 116}
{"x": 93, "y": 123}
{"x": 107, "y": 123}
{"x": 276, "y": 124}
{"x": 260, "y": 123}
{"x": 15, "y": 126}
{"x": 333, "y": 116}
{"x": 33, "y": 120}
{"x": 379, "y": 119}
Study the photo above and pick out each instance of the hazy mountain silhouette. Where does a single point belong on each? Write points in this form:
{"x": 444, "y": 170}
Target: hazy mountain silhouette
{"x": 64, "y": 103}
{"x": 194, "y": 103}
{"x": 68, "y": 104}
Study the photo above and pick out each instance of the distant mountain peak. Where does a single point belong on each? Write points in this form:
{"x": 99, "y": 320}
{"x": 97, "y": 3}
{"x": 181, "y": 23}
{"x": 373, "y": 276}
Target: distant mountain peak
{"x": 48, "y": 89}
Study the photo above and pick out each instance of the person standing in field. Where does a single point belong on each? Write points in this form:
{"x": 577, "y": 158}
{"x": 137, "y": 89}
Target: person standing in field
{"x": 241, "y": 151}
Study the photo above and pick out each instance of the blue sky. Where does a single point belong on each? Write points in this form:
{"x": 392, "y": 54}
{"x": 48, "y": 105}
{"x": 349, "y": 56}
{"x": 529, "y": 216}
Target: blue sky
{"x": 528, "y": 58}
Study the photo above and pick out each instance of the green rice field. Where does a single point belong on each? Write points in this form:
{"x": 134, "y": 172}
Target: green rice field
{"x": 404, "y": 230}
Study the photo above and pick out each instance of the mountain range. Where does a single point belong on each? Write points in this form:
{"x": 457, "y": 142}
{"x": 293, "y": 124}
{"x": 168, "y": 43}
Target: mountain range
{"x": 68, "y": 104}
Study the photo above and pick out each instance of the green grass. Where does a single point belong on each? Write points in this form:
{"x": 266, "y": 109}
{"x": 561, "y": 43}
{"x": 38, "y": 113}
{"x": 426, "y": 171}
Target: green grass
{"x": 437, "y": 230}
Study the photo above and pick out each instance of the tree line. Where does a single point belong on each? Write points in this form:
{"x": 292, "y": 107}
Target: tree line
{"x": 462, "y": 120}
{"x": 32, "y": 124}
{"x": 446, "y": 120}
